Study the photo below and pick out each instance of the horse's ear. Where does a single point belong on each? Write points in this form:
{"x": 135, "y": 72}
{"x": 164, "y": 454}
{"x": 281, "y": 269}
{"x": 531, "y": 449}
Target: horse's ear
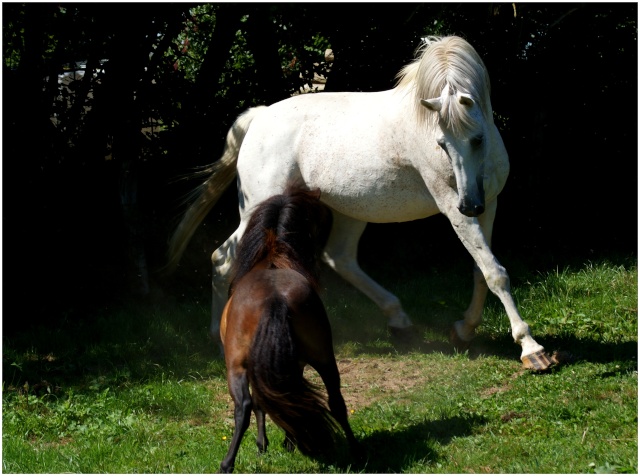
{"x": 432, "y": 104}
{"x": 465, "y": 100}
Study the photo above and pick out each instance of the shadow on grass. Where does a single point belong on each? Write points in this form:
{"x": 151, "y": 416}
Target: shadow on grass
{"x": 577, "y": 349}
{"x": 134, "y": 342}
{"x": 396, "y": 451}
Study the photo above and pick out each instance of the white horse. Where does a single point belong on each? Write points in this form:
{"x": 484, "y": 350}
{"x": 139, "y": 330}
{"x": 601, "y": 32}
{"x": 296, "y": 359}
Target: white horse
{"x": 427, "y": 146}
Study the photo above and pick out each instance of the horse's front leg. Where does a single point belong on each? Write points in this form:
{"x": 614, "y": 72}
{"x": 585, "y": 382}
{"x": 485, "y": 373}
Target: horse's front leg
{"x": 341, "y": 255}
{"x": 464, "y": 331}
{"x": 472, "y": 235}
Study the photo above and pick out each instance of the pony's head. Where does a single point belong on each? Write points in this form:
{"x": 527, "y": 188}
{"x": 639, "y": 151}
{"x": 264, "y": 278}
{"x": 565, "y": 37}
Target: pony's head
{"x": 450, "y": 87}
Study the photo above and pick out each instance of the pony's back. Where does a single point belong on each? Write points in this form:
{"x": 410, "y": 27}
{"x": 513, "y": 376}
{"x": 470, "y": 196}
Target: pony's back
{"x": 288, "y": 230}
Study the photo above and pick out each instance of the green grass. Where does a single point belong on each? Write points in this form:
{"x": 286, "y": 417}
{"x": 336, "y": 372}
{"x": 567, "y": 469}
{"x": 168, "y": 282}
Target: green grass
{"x": 139, "y": 388}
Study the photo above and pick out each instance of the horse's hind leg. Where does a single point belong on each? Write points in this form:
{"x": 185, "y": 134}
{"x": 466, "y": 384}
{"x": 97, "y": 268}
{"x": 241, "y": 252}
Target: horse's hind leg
{"x": 239, "y": 390}
{"x": 464, "y": 331}
{"x": 496, "y": 278}
{"x": 341, "y": 255}
{"x": 222, "y": 260}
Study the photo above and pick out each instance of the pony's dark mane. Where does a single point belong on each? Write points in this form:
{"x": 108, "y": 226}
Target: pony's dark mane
{"x": 290, "y": 231}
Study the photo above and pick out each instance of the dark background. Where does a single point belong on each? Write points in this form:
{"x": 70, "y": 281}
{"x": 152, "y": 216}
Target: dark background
{"x": 88, "y": 208}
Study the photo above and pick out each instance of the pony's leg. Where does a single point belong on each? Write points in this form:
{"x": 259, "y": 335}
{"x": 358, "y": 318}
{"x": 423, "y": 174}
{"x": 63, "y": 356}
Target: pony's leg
{"x": 239, "y": 390}
{"x": 331, "y": 378}
{"x": 262, "y": 441}
{"x": 496, "y": 278}
{"x": 341, "y": 255}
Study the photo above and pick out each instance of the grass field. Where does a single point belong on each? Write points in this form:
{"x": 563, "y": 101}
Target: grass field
{"x": 139, "y": 387}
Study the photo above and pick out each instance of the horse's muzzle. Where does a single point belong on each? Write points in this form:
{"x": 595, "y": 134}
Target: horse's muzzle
{"x": 471, "y": 210}
{"x": 471, "y": 204}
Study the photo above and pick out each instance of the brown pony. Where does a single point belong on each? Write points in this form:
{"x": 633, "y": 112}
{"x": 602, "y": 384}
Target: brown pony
{"x": 274, "y": 323}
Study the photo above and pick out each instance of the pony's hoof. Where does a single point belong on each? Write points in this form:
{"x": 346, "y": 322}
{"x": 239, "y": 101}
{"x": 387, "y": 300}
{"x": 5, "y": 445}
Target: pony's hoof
{"x": 458, "y": 344}
{"x": 538, "y": 361}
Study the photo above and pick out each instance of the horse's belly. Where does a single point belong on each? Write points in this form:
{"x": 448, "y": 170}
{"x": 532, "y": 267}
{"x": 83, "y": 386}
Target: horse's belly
{"x": 382, "y": 209}
{"x": 375, "y": 199}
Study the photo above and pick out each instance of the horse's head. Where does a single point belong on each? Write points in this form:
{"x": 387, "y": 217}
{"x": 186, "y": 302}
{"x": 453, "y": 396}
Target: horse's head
{"x": 452, "y": 75}
{"x": 461, "y": 132}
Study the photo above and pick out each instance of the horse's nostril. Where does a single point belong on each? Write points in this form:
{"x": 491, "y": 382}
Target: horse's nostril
{"x": 471, "y": 211}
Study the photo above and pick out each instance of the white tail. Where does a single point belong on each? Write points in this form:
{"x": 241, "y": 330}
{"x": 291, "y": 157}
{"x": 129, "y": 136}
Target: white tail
{"x": 220, "y": 173}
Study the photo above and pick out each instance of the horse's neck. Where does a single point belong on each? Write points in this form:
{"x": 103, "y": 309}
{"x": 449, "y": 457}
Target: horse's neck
{"x": 403, "y": 110}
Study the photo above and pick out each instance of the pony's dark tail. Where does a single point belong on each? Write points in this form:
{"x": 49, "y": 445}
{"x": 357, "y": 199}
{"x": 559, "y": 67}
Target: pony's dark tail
{"x": 279, "y": 388}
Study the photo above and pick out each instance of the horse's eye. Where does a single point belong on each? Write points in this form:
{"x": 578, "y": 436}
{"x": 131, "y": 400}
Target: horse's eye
{"x": 476, "y": 141}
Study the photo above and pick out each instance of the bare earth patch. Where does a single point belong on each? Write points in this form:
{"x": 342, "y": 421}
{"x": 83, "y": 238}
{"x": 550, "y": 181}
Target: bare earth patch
{"x": 365, "y": 381}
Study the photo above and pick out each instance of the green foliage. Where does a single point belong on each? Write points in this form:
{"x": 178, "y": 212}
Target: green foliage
{"x": 188, "y": 49}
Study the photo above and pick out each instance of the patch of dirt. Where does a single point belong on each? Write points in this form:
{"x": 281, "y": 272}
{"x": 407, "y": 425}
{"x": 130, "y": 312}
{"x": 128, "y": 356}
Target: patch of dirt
{"x": 365, "y": 381}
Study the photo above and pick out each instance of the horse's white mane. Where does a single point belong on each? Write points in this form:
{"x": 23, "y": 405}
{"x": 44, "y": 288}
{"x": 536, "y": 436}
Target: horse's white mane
{"x": 447, "y": 61}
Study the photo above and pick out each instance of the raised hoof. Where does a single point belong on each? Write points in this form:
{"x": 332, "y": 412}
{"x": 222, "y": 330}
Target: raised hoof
{"x": 538, "y": 361}
{"x": 459, "y": 344}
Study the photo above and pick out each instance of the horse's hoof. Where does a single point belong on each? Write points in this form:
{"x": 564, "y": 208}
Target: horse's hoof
{"x": 401, "y": 332}
{"x": 459, "y": 344}
{"x": 538, "y": 361}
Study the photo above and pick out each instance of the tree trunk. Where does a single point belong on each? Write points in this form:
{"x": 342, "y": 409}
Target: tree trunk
{"x": 261, "y": 36}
